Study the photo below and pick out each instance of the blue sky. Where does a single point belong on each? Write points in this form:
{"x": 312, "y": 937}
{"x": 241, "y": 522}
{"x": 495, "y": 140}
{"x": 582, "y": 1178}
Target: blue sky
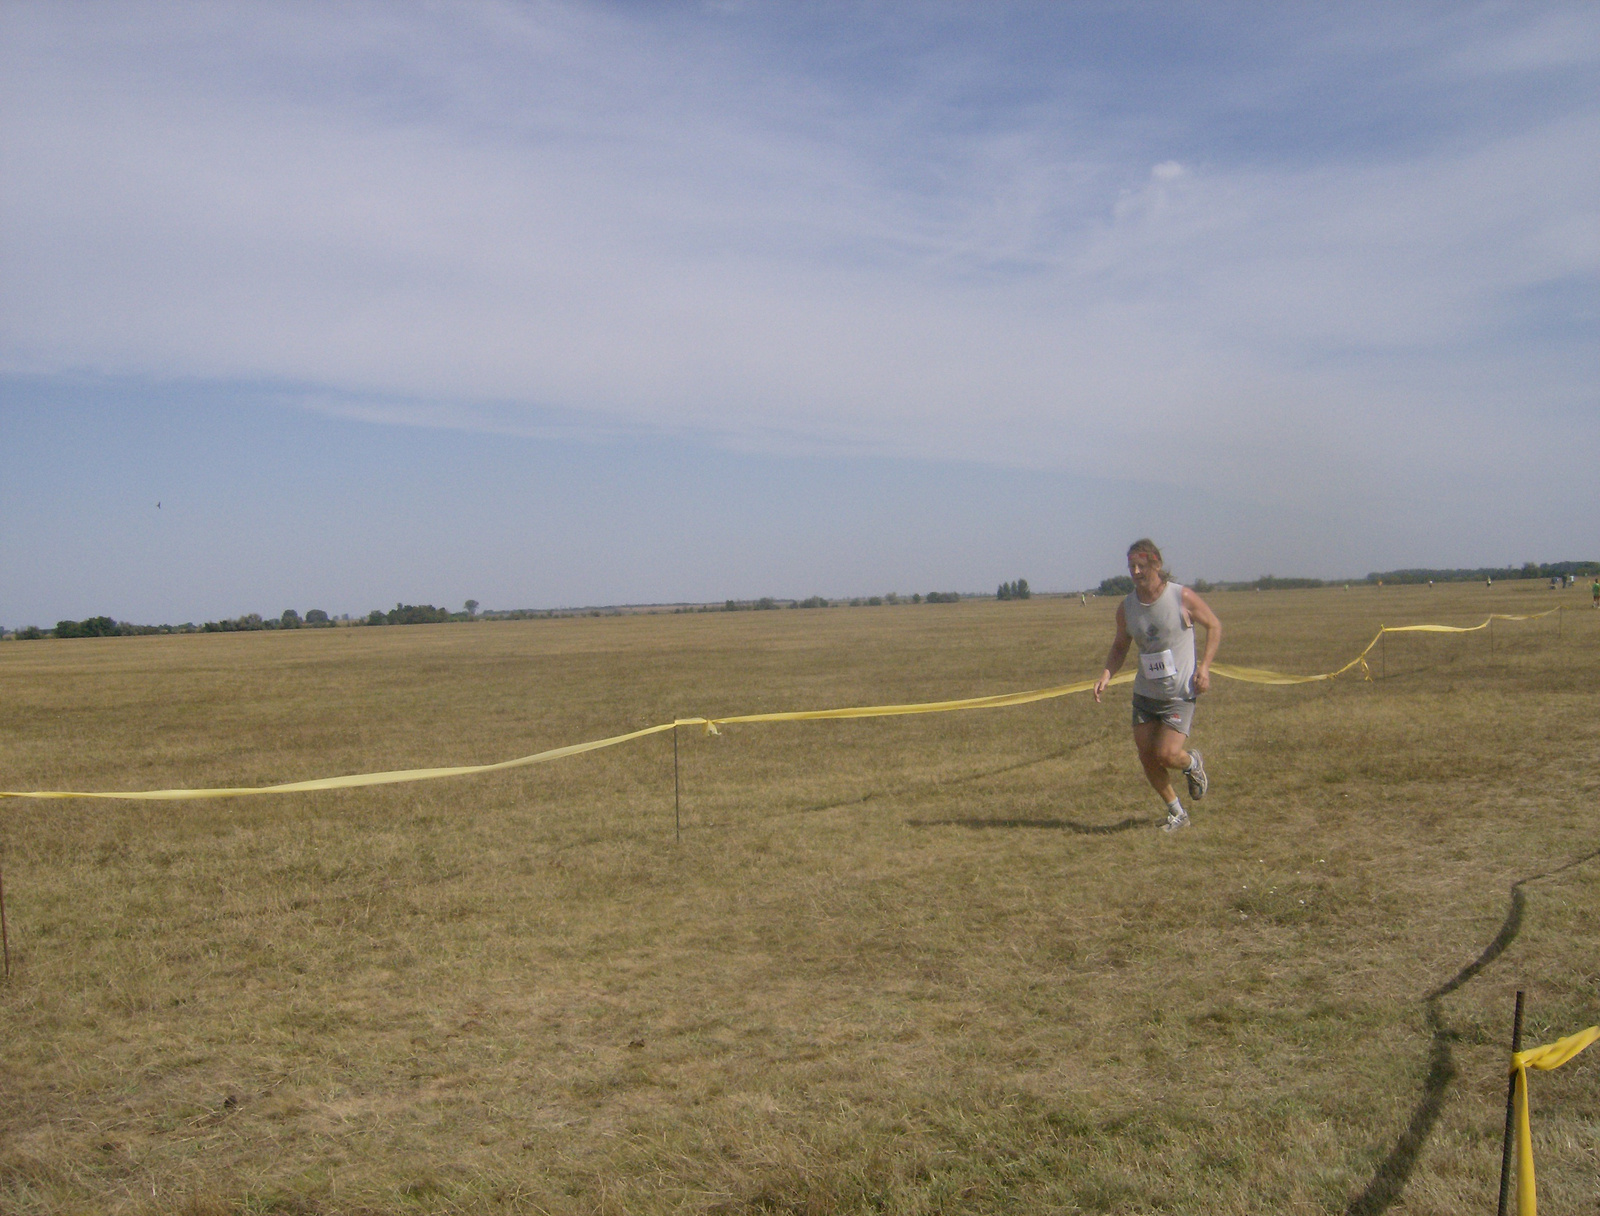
{"x": 563, "y": 304}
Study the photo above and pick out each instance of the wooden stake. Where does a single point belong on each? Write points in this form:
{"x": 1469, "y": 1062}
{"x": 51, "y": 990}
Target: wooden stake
{"x": 5, "y": 942}
{"x": 1511, "y": 1099}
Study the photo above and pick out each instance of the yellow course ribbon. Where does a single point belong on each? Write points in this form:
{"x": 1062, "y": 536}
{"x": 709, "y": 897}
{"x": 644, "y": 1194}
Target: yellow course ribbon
{"x": 1551, "y": 1055}
{"x": 997, "y": 701}
{"x": 1249, "y": 675}
{"x": 1484, "y": 624}
{"x": 354, "y": 780}
{"x": 1257, "y": 675}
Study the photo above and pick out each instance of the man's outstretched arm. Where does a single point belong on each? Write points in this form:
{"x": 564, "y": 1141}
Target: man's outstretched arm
{"x": 1200, "y": 613}
{"x": 1117, "y": 653}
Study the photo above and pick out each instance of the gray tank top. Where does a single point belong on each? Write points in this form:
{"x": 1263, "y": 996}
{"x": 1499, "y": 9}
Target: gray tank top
{"x": 1165, "y": 643}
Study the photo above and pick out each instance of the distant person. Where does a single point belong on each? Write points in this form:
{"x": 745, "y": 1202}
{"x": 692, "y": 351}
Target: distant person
{"x": 1158, "y": 617}
{"x": 1594, "y": 592}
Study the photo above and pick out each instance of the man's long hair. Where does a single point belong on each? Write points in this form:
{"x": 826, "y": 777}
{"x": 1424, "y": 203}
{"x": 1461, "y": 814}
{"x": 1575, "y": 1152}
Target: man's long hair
{"x": 1145, "y": 545}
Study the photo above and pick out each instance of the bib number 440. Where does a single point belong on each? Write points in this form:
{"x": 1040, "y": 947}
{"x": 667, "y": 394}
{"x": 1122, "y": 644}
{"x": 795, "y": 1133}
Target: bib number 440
{"x": 1158, "y": 665}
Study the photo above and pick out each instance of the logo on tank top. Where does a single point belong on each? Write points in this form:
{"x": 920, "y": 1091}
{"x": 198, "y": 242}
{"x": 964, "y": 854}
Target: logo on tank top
{"x": 1150, "y": 631}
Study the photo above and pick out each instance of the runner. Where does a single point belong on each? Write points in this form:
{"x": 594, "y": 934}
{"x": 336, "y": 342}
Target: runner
{"x": 1594, "y": 591}
{"x": 1159, "y": 617}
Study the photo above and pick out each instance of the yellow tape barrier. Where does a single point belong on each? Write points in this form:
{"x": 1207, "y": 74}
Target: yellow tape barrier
{"x": 1249, "y": 675}
{"x": 1551, "y": 1055}
{"x": 356, "y": 780}
{"x": 1257, "y": 675}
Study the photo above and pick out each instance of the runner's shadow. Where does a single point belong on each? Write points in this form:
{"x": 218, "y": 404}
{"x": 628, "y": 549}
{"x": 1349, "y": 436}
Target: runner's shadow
{"x": 1395, "y": 1171}
{"x": 1059, "y": 825}
{"x": 925, "y": 786}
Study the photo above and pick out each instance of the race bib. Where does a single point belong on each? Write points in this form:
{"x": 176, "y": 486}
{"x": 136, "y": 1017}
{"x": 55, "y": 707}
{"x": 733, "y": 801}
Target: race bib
{"x": 1158, "y": 665}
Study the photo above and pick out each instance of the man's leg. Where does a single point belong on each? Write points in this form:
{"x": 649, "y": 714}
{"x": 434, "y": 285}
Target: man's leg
{"x": 1160, "y": 750}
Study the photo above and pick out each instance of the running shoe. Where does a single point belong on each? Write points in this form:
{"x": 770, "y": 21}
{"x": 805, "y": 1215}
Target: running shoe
{"x": 1176, "y": 821}
{"x": 1199, "y": 783}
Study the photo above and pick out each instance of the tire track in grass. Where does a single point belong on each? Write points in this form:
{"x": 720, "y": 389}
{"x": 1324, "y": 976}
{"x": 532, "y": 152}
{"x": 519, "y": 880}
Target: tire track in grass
{"x": 1390, "y": 1178}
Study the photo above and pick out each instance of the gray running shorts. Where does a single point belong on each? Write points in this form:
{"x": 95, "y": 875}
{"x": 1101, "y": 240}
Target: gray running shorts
{"x": 1175, "y": 715}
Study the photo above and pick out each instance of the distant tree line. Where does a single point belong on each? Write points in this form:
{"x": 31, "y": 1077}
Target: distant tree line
{"x": 428, "y": 614}
{"x": 818, "y": 601}
{"x": 101, "y": 627}
{"x": 1018, "y": 589}
{"x": 1503, "y": 573}
{"x": 94, "y": 627}
{"x": 106, "y": 627}
{"x": 316, "y": 618}
{"x": 248, "y": 623}
{"x": 1268, "y": 582}
{"x": 414, "y": 614}
{"x": 1122, "y": 585}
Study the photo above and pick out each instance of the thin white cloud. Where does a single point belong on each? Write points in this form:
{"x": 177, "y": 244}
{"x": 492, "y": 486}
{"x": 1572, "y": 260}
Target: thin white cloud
{"x": 1533, "y": 41}
{"x": 455, "y": 217}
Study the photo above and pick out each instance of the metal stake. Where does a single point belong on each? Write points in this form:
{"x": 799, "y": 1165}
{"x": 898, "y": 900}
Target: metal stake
{"x": 5, "y": 942}
{"x": 677, "y": 820}
{"x": 1511, "y": 1097}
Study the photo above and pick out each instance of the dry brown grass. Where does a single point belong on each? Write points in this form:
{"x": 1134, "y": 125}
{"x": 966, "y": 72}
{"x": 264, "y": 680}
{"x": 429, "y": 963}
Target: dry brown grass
{"x": 907, "y": 965}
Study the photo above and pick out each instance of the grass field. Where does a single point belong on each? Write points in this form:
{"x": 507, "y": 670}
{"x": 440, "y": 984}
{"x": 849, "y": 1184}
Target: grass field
{"x": 940, "y": 964}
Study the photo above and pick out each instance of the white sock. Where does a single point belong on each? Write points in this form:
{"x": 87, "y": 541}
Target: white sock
{"x": 1175, "y": 808}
